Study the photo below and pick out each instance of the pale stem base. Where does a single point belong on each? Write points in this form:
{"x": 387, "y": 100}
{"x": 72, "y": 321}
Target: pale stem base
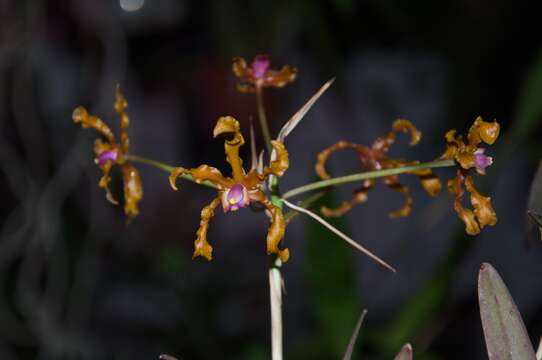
{"x": 275, "y": 293}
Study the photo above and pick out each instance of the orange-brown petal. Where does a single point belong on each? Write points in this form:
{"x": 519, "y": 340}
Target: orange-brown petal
{"x": 253, "y": 180}
{"x": 452, "y": 138}
{"x": 120, "y": 107}
{"x": 105, "y": 180}
{"x": 275, "y": 233}
{"x": 228, "y": 124}
{"x": 466, "y": 159}
{"x": 320, "y": 166}
{"x": 201, "y": 246}
{"x": 240, "y": 69}
{"x": 430, "y": 182}
{"x": 81, "y": 116}
{"x": 450, "y": 153}
{"x": 133, "y": 190}
{"x": 454, "y": 185}
{"x": 281, "y": 77}
{"x": 489, "y": 131}
{"x": 484, "y": 131}
{"x": 359, "y": 197}
{"x": 278, "y": 166}
{"x": 200, "y": 174}
{"x": 407, "y": 127}
{"x": 382, "y": 144}
{"x": 482, "y": 205}
{"x": 393, "y": 183}
{"x": 466, "y": 215}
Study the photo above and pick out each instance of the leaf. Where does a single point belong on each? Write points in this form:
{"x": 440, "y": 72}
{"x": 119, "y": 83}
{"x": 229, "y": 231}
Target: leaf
{"x": 354, "y": 337}
{"x": 405, "y": 353}
{"x": 298, "y": 116}
{"x": 504, "y": 331}
{"x": 534, "y": 205}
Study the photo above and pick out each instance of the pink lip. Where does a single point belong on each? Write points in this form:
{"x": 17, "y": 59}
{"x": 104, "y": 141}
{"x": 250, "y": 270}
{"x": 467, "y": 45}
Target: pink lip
{"x": 260, "y": 64}
{"x": 235, "y": 198}
{"x": 105, "y": 156}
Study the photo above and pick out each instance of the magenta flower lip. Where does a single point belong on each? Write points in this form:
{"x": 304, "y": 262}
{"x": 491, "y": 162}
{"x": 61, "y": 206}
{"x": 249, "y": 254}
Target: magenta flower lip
{"x": 260, "y": 65}
{"x": 482, "y": 161}
{"x": 235, "y": 198}
{"x": 105, "y": 156}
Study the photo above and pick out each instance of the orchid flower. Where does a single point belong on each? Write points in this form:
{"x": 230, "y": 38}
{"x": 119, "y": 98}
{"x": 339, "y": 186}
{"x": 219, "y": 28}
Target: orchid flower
{"x": 374, "y": 158}
{"x": 111, "y": 153}
{"x": 258, "y": 74}
{"x": 238, "y": 191}
{"x": 470, "y": 156}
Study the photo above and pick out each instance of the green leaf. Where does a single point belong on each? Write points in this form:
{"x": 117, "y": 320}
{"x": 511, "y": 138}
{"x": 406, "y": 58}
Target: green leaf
{"x": 506, "y": 337}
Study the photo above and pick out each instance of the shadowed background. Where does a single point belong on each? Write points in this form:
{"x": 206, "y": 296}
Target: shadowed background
{"x": 76, "y": 282}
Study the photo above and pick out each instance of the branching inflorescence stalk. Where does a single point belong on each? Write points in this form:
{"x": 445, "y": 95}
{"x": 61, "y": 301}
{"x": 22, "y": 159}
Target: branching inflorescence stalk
{"x": 263, "y": 118}
{"x": 340, "y": 180}
{"x": 365, "y": 176}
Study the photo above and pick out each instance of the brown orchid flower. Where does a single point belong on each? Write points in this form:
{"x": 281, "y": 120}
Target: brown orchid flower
{"x": 470, "y": 156}
{"x": 239, "y": 190}
{"x": 374, "y": 158}
{"x": 259, "y": 74}
{"x": 110, "y": 153}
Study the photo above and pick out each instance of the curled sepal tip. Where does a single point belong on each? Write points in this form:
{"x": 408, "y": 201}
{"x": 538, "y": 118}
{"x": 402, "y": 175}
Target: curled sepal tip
{"x": 407, "y": 127}
{"x": 226, "y": 124}
{"x": 175, "y": 173}
{"x": 201, "y": 246}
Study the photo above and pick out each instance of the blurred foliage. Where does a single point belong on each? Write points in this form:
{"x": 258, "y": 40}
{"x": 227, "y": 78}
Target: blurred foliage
{"x": 529, "y": 108}
{"x": 333, "y": 290}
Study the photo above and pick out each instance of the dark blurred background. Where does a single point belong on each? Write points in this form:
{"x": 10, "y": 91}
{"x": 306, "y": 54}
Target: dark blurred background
{"x": 77, "y": 283}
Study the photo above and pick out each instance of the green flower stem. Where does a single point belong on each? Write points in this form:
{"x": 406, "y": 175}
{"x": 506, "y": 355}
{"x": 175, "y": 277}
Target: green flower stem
{"x": 167, "y": 168}
{"x": 366, "y": 175}
{"x": 263, "y": 118}
{"x": 151, "y": 162}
